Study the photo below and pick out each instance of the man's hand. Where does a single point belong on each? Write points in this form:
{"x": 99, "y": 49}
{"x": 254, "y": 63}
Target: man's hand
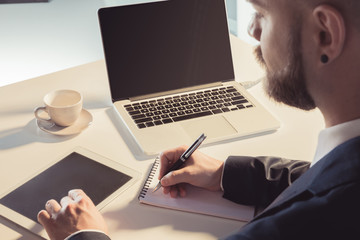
{"x": 75, "y": 212}
{"x": 199, "y": 170}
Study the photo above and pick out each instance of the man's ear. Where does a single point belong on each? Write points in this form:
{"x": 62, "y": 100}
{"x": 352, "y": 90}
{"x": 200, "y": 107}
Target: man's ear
{"x": 330, "y": 35}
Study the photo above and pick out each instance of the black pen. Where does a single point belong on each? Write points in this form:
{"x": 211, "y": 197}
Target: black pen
{"x": 185, "y": 156}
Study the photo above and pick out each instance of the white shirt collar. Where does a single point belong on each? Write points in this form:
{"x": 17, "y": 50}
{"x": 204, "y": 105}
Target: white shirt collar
{"x": 331, "y": 137}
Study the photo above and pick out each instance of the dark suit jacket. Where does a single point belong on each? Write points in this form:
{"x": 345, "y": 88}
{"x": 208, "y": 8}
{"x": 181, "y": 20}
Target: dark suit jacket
{"x": 322, "y": 202}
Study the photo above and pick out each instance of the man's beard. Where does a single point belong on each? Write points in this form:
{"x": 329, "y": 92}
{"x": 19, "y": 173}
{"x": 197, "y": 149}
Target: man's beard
{"x": 288, "y": 85}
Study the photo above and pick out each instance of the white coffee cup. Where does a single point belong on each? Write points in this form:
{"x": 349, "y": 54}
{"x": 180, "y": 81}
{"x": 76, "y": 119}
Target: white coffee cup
{"x": 63, "y": 107}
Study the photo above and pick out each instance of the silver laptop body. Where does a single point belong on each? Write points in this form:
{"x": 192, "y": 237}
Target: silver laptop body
{"x": 171, "y": 75}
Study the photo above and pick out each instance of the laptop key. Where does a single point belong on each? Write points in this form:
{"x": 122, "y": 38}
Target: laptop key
{"x": 231, "y": 90}
{"x": 180, "y": 113}
{"x": 158, "y": 122}
{"x": 149, "y": 124}
{"x": 239, "y": 102}
{"x": 190, "y": 116}
{"x": 237, "y": 98}
{"x": 141, "y": 125}
{"x": 167, "y": 120}
{"x": 138, "y": 116}
{"x": 142, "y": 120}
{"x": 216, "y": 111}
{"x": 134, "y": 113}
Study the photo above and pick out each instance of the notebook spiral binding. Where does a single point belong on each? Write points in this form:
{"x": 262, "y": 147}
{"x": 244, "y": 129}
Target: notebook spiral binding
{"x": 150, "y": 177}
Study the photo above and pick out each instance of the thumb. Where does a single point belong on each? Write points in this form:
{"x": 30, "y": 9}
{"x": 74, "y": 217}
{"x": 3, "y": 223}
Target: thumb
{"x": 173, "y": 178}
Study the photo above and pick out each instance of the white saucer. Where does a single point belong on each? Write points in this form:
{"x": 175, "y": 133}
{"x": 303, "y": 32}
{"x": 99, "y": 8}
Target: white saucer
{"x": 84, "y": 120}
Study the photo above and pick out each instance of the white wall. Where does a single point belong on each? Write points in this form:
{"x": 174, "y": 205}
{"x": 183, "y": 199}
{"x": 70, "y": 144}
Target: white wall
{"x": 239, "y": 16}
{"x": 40, "y": 38}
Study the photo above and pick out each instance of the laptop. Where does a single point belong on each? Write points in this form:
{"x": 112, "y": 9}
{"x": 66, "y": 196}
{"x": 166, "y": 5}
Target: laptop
{"x": 171, "y": 75}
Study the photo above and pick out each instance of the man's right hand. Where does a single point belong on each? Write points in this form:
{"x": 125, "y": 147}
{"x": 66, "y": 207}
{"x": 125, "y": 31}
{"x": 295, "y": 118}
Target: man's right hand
{"x": 199, "y": 170}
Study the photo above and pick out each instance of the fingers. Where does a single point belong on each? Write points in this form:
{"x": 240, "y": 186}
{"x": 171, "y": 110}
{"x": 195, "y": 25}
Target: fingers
{"x": 44, "y": 218}
{"x": 65, "y": 201}
{"x": 77, "y": 195}
{"x": 52, "y": 207}
{"x": 175, "y": 177}
{"x": 168, "y": 158}
{"x": 175, "y": 191}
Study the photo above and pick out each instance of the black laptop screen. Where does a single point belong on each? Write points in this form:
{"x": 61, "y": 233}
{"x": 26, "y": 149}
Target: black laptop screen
{"x": 167, "y": 45}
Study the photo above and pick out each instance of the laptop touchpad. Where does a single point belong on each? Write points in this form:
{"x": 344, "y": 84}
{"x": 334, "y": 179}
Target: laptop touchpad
{"x": 214, "y": 127}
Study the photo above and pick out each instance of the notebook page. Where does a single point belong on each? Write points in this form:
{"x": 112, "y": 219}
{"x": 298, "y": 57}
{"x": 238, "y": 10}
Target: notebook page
{"x": 197, "y": 200}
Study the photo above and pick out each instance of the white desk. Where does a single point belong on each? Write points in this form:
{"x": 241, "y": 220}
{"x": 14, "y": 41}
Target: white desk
{"x": 24, "y": 148}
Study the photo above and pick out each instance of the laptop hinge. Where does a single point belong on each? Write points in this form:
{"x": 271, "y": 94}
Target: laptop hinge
{"x": 180, "y": 90}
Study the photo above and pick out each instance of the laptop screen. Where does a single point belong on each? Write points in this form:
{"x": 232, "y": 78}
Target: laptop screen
{"x": 168, "y": 45}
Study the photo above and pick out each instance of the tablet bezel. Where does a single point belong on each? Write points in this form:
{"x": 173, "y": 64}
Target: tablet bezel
{"x": 37, "y": 228}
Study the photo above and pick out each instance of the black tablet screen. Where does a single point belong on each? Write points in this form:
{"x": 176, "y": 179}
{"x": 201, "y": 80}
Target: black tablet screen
{"x": 75, "y": 171}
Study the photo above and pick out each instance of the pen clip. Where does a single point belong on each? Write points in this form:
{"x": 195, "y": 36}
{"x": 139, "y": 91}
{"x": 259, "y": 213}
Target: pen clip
{"x": 193, "y": 147}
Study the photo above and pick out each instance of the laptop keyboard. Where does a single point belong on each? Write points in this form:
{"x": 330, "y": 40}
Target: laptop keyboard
{"x": 186, "y": 106}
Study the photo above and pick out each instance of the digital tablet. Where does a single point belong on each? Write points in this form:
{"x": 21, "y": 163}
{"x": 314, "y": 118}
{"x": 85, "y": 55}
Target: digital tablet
{"x": 101, "y": 179}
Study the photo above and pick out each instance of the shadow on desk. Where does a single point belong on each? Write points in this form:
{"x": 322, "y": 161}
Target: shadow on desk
{"x": 20, "y": 136}
{"x": 137, "y": 217}
{"x": 126, "y": 135}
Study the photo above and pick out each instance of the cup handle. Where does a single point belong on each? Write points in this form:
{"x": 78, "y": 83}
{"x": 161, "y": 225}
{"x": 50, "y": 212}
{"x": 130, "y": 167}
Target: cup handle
{"x": 39, "y": 109}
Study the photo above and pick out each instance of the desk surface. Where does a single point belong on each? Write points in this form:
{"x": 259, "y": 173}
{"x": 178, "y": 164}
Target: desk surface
{"x": 24, "y": 148}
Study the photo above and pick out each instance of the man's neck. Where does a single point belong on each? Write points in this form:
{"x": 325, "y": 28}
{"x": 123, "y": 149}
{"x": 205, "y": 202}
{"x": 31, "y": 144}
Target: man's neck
{"x": 333, "y": 120}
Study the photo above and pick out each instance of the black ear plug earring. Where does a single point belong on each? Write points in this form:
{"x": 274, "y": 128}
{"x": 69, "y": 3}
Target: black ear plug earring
{"x": 324, "y": 58}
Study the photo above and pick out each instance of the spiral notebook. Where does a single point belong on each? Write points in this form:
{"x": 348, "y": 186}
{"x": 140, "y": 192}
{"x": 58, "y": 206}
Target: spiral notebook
{"x": 197, "y": 200}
